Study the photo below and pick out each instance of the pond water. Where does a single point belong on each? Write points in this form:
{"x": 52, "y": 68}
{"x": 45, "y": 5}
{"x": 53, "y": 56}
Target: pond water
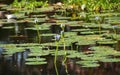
{"x": 77, "y": 34}
{"x": 15, "y": 65}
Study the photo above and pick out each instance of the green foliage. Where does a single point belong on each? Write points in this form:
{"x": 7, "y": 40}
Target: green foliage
{"x": 29, "y": 4}
{"x": 94, "y": 5}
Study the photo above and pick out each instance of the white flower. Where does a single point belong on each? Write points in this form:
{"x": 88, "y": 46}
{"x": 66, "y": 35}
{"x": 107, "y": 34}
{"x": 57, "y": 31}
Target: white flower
{"x": 97, "y": 18}
{"x": 36, "y": 20}
{"x": 62, "y": 25}
{"x": 83, "y": 6}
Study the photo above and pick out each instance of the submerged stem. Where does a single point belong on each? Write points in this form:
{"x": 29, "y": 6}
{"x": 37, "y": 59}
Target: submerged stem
{"x": 38, "y": 33}
{"x": 100, "y": 29}
{"x": 65, "y": 58}
{"x": 55, "y": 59}
{"x": 115, "y": 32}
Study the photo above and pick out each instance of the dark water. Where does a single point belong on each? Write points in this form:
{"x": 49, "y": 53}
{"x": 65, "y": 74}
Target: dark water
{"x": 15, "y": 65}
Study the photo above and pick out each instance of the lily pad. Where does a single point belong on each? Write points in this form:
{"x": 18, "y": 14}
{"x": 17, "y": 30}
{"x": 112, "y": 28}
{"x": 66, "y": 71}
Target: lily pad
{"x": 76, "y": 55}
{"x": 36, "y": 63}
{"x": 11, "y": 51}
{"x": 110, "y": 60}
{"x": 106, "y": 41}
{"x": 39, "y": 53}
{"x": 80, "y": 30}
{"x": 86, "y": 33}
{"x": 88, "y": 63}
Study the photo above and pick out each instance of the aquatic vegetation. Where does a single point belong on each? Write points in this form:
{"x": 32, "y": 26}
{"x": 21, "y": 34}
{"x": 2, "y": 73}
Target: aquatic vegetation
{"x": 80, "y": 30}
{"x": 99, "y": 48}
{"x": 106, "y": 41}
{"x": 86, "y": 33}
{"x": 10, "y": 27}
{"x": 34, "y": 20}
{"x": 88, "y": 63}
{"x": 37, "y": 28}
{"x": 79, "y": 35}
{"x": 29, "y": 4}
{"x": 38, "y": 54}
{"x": 28, "y": 45}
{"x": 110, "y": 60}
{"x": 57, "y": 37}
{"x": 36, "y": 63}
{"x": 62, "y": 52}
{"x": 12, "y": 50}
{"x": 76, "y": 55}
{"x": 91, "y": 25}
{"x": 69, "y": 34}
{"x": 94, "y": 58}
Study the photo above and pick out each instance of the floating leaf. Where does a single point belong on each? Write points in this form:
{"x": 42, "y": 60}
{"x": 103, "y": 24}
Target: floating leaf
{"x": 36, "y": 63}
{"x": 88, "y": 63}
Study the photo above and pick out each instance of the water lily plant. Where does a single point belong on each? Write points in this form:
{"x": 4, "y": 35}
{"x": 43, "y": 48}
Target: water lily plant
{"x": 57, "y": 38}
{"x": 37, "y": 27}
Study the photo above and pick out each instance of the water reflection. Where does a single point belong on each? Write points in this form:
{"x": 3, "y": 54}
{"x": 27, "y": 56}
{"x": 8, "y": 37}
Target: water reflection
{"x": 15, "y": 65}
{"x": 16, "y": 25}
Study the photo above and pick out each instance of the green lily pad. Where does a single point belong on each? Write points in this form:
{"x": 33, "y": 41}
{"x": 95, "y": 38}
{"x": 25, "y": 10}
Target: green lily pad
{"x": 93, "y": 58}
{"x": 101, "y": 48}
{"x": 80, "y": 30}
{"x": 106, "y": 41}
{"x": 36, "y": 63}
{"x": 63, "y": 52}
{"x": 84, "y": 42}
{"x": 11, "y": 51}
{"x": 110, "y": 60}
{"x": 39, "y": 53}
{"x": 48, "y": 34}
{"x": 91, "y": 25}
{"x": 61, "y": 17}
{"x": 86, "y": 32}
{"x": 69, "y": 34}
{"x": 76, "y": 55}
{"x": 32, "y": 20}
{"x": 88, "y": 63}
{"x": 91, "y": 65}
{"x": 9, "y": 27}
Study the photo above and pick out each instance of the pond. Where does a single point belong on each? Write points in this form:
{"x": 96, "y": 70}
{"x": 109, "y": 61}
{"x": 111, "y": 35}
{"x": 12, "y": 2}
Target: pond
{"x": 15, "y": 65}
{"x": 64, "y": 38}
